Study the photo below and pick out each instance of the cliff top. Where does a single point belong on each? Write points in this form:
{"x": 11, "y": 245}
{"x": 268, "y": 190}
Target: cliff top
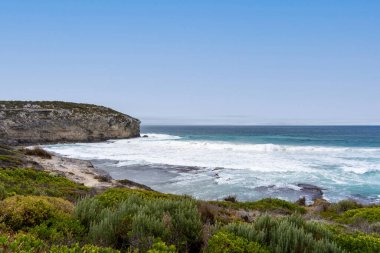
{"x": 57, "y": 105}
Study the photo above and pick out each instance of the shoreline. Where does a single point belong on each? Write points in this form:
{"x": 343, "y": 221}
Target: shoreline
{"x": 91, "y": 174}
{"x": 82, "y": 172}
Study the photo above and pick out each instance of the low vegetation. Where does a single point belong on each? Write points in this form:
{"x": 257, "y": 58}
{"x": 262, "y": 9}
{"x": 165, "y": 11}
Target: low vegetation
{"x": 44, "y": 212}
{"x": 25, "y": 181}
{"x": 37, "y": 152}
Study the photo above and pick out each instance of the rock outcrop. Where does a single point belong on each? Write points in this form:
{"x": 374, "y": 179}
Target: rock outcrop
{"x": 41, "y": 122}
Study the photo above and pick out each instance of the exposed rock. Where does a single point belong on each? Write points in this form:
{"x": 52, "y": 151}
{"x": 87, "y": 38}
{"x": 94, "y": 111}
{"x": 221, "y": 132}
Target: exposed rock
{"x": 314, "y": 190}
{"x": 145, "y": 136}
{"x": 82, "y": 172}
{"x": 132, "y": 184}
{"x": 25, "y": 122}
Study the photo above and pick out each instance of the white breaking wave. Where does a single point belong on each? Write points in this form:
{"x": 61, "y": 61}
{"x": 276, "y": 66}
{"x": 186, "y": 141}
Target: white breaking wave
{"x": 173, "y": 150}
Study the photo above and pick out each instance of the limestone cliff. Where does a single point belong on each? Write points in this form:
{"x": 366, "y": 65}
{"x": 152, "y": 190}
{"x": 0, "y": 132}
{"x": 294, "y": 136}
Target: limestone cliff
{"x": 27, "y": 122}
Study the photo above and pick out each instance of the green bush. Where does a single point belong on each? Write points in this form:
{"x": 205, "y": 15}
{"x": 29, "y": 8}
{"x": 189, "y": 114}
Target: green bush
{"x": 343, "y": 206}
{"x": 291, "y": 234}
{"x": 226, "y": 242}
{"x": 88, "y": 210}
{"x": 59, "y": 231}
{"x": 10, "y": 161}
{"x": 160, "y": 247}
{"x": 114, "y": 196}
{"x": 139, "y": 219}
{"x": 37, "y": 151}
{"x": 33, "y": 182}
{"x": 85, "y": 249}
{"x": 264, "y": 205}
{"x": 21, "y": 243}
{"x": 369, "y": 214}
{"x": 3, "y": 192}
{"x": 27, "y": 211}
{"x": 358, "y": 242}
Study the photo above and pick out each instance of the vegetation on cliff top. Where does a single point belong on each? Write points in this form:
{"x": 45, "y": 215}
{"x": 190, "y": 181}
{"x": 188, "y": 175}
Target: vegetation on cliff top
{"x": 58, "y": 105}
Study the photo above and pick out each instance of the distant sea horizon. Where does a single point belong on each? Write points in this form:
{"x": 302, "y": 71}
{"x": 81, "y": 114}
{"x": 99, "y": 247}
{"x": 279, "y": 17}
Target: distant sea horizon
{"x": 248, "y": 161}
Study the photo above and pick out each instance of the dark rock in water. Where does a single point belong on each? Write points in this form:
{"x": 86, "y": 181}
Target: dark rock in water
{"x": 315, "y": 191}
{"x": 130, "y": 183}
{"x": 41, "y": 122}
{"x": 145, "y": 136}
{"x": 305, "y": 194}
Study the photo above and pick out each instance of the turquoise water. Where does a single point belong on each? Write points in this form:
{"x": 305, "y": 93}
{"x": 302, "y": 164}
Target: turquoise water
{"x": 251, "y": 162}
{"x": 341, "y": 136}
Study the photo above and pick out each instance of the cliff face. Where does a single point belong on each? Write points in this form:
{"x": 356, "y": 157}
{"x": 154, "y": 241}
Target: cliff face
{"x": 25, "y": 122}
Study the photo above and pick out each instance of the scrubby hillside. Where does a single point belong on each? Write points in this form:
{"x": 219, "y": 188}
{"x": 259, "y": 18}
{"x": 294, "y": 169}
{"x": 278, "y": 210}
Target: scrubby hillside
{"x": 45, "y": 122}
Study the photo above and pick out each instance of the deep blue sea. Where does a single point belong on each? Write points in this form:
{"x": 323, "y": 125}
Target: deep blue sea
{"x": 251, "y": 162}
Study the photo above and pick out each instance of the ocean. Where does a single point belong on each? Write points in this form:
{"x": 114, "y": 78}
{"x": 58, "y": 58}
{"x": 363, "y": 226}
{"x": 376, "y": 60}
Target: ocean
{"x": 249, "y": 162}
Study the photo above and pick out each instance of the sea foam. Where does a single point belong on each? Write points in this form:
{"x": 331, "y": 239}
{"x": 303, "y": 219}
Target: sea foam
{"x": 173, "y": 150}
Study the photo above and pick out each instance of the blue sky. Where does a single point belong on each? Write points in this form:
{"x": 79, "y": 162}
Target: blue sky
{"x": 198, "y": 62}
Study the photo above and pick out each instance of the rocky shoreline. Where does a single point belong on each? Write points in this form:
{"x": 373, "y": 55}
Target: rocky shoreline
{"x": 82, "y": 172}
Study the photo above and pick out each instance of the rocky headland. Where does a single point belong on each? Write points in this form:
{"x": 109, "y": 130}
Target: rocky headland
{"x": 41, "y": 122}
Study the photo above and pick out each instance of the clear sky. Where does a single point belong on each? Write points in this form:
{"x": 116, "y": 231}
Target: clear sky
{"x": 198, "y": 62}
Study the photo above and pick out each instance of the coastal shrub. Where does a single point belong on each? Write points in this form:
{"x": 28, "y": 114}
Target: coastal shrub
{"x": 138, "y": 220}
{"x": 161, "y": 247}
{"x": 10, "y": 161}
{"x": 291, "y": 234}
{"x": 59, "y": 231}
{"x": 343, "y": 206}
{"x": 3, "y": 192}
{"x": 28, "y": 243}
{"x": 88, "y": 210}
{"x": 21, "y": 243}
{"x": 34, "y": 182}
{"x": 264, "y": 205}
{"x": 227, "y": 242}
{"x": 10, "y": 158}
{"x": 4, "y": 150}
{"x": 114, "y": 196}
{"x": 37, "y": 151}
{"x": 27, "y": 211}
{"x": 355, "y": 215}
{"x": 374, "y": 228}
{"x": 358, "y": 242}
{"x": 369, "y": 214}
{"x": 207, "y": 211}
{"x": 75, "y": 248}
